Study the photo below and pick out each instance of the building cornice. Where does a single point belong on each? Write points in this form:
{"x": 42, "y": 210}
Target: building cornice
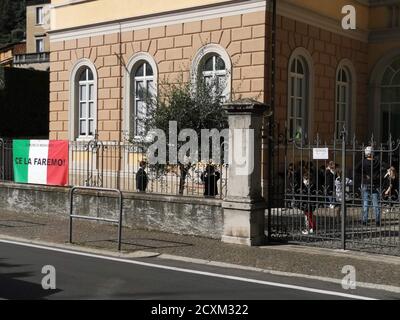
{"x": 185, "y": 15}
{"x": 69, "y": 3}
{"x": 284, "y": 8}
{"x": 289, "y": 10}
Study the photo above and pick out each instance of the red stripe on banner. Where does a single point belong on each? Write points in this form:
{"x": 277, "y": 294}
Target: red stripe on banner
{"x": 57, "y": 164}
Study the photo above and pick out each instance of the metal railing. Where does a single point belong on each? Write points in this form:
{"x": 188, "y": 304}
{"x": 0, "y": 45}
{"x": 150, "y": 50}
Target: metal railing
{"x": 115, "y": 165}
{"x": 26, "y": 58}
{"x": 348, "y": 201}
{"x": 88, "y": 217}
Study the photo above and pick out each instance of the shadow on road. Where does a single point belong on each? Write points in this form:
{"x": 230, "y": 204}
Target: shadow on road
{"x": 13, "y": 287}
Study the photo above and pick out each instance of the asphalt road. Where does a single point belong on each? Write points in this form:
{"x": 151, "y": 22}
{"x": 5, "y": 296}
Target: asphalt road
{"x": 86, "y": 276}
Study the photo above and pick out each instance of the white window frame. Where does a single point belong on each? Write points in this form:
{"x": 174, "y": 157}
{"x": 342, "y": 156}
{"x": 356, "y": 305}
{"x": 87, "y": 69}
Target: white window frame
{"x": 308, "y": 110}
{"x": 74, "y": 115}
{"x": 39, "y": 43}
{"x": 129, "y": 91}
{"x": 294, "y": 79}
{"x": 202, "y": 55}
{"x": 343, "y": 104}
{"x": 146, "y": 80}
{"x": 350, "y": 105}
{"x": 39, "y": 15}
{"x": 214, "y": 74}
{"x": 87, "y": 118}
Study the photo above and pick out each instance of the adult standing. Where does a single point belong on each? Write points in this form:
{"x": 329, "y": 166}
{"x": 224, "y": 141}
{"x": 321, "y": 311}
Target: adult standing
{"x": 210, "y": 179}
{"x": 370, "y": 170}
{"x": 141, "y": 177}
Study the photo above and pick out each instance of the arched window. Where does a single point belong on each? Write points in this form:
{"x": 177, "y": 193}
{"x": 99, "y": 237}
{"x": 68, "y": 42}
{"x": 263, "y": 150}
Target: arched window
{"x": 213, "y": 71}
{"x": 343, "y": 101}
{"x": 213, "y": 65}
{"x": 83, "y": 101}
{"x": 86, "y": 103}
{"x": 298, "y": 98}
{"x": 141, "y": 76}
{"x": 390, "y": 100}
{"x": 143, "y": 90}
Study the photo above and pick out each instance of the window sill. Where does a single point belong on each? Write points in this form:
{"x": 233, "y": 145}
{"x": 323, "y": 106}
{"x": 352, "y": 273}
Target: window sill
{"x": 84, "y": 139}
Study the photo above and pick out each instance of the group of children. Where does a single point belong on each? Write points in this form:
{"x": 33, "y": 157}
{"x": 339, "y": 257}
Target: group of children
{"x": 312, "y": 187}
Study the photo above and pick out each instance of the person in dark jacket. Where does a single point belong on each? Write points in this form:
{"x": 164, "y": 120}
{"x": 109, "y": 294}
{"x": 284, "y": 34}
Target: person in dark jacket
{"x": 307, "y": 202}
{"x": 210, "y": 179}
{"x": 370, "y": 171}
{"x": 391, "y": 186}
{"x": 141, "y": 177}
{"x": 330, "y": 177}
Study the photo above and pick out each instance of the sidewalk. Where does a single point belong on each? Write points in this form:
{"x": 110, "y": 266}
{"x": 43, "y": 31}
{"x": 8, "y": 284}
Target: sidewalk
{"x": 279, "y": 259}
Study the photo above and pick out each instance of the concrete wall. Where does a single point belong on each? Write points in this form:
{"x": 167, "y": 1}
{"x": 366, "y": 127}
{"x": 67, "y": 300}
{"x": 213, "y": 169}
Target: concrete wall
{"x": 181, "y": 215}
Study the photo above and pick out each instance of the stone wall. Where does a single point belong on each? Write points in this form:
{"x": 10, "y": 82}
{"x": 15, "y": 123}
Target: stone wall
{"x": 180, "y": 215}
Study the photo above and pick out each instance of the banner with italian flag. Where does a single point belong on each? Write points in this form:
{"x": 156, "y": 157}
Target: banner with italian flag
{"x": 41, "y": 161}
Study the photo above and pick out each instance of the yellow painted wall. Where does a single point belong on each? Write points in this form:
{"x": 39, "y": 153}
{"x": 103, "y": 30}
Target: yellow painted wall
{"x": 91, "y": 12}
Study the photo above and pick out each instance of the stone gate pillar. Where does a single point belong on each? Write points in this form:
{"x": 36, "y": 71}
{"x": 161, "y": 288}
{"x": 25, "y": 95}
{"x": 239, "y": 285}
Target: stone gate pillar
{"x": 244, "y": 206}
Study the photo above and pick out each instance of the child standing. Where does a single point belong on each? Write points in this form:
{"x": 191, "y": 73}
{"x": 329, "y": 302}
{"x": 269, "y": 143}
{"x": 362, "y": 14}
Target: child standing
{"x": 308, "y": 205}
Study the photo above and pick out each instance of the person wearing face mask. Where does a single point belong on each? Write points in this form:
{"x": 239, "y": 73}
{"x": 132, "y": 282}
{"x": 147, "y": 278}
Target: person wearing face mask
{"x": 307, "y": 203}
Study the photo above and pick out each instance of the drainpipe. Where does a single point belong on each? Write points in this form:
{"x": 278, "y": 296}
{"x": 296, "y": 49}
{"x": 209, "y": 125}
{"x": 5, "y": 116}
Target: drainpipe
{"x": 271, "y": 124}
{"x": 120, "y": 109}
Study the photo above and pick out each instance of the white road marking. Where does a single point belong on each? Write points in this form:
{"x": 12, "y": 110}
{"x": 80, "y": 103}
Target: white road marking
{"x": 203, "y": 273}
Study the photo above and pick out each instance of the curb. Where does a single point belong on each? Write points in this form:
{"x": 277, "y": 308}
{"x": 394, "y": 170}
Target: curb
{"x": 364, "y": 256}
{"x": 365, "y": 285}
{"x": 77, "y": 248}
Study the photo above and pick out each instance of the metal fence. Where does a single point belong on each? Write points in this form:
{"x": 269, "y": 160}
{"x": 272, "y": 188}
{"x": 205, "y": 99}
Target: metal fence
{"x": 115, "y": 165}
{"x": 348, "y": 201}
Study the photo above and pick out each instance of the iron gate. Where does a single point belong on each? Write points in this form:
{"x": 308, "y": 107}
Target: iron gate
{"x": 310, "y": 207}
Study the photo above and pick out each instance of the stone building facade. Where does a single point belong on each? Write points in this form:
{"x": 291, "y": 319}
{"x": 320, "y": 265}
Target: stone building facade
{"x": 37, "y": 54}
{"x": 171, "y": 51}
{"x": 326, "y": 77}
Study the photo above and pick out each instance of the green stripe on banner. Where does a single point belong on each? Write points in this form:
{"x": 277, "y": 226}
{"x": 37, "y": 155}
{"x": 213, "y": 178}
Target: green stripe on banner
{"x": 20, "y": 160}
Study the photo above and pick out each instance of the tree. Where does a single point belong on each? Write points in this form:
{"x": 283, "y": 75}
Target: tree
{"x": 12, "y": 13}
{"x": 197, "y": 106}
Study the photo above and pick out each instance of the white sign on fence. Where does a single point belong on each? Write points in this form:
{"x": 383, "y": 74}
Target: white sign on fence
{"x": 320, "y": 153}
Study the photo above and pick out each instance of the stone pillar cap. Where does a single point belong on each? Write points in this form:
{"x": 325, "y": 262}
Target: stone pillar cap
{"x": 246, "y": 106}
